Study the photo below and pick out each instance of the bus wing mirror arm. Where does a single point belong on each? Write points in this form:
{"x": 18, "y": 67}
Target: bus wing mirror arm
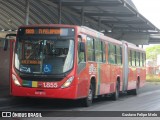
{"x": 5, "y": 46}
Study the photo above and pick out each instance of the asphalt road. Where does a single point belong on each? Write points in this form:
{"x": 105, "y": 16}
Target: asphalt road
{"x": 148, "y": 99}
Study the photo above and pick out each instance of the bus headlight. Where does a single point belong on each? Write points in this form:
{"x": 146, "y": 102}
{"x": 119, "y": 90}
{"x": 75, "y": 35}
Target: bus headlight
{"x": 68, "y": 82}
{"x": 16, "y": 82}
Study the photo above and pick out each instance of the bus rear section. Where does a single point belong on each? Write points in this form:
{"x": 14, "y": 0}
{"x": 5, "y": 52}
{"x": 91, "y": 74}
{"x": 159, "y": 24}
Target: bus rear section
{"x": 134, "y": 68}
{"x": 44, "y": 62}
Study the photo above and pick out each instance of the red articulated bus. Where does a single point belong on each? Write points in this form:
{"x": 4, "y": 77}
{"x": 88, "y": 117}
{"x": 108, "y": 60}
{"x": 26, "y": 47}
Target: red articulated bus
{"x": 73, "y": 62}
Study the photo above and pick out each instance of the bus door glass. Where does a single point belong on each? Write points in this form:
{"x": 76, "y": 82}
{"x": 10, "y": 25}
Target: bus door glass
{"x": 81, "y": 54}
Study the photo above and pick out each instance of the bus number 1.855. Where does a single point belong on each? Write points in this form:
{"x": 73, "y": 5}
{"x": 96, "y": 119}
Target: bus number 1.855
{"x": 50, "y": 85}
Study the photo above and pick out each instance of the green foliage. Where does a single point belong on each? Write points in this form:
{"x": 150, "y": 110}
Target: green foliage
{"x": 152, "y": 52}
{"x": 152, "y": 78}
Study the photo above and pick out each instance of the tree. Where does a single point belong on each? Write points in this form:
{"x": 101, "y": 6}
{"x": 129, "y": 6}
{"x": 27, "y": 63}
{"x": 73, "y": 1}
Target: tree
{"x": 152, "y": 52}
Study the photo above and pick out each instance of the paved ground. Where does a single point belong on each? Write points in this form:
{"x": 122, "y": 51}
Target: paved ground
{"x": 147, "y": 100}
{"x": 4, "y": 91}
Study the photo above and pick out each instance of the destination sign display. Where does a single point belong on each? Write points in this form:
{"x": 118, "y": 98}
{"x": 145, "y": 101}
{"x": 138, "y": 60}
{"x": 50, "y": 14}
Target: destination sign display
{"x": 46, "y": 31}
{"x": 42, "y": 31}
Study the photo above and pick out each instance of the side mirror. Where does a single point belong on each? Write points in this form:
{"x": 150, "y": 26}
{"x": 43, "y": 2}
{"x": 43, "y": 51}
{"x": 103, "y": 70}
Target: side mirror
{"x": 82, "y": 47}
{"x": 5, "y": 46}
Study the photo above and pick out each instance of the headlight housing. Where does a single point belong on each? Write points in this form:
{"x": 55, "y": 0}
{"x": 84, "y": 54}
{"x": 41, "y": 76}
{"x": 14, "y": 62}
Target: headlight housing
{"x": 68, "y": 82}
{"x": 15, "y": 80}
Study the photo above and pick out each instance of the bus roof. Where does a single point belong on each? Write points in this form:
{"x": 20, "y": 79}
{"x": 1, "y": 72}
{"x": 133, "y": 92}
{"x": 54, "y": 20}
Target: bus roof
{"x": 97, "y": 34}
{"x": 89, "y": 31}
{"x": 94, "y": 33}
{"x": 49, "y": 25}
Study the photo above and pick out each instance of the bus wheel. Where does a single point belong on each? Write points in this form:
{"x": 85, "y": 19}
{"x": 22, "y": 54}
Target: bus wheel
{"x": 88, "y": 100}
{"x": 115, "y": 96}
{"x": 134, "y": 91}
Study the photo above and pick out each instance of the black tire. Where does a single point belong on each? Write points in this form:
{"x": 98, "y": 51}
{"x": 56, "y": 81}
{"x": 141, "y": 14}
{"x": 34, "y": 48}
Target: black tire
{"x": 115, "y": 95}
{"x": 89, "y": 99}
{"x": 136, "y": 90}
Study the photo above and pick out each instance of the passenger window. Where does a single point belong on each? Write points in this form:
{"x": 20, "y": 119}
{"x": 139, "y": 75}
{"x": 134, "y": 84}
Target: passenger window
{"x": 90, "y": 51}
{"x": 119, "y": 55}
{"x": 98, "y": 50}
{"x": 104, "y": 51}
{"x": 137, "y": 59}
{"x": 112, "y": 50}
{"x": 130, "y": 58}
{"x": 143, "y": 59}
{"x": 133, "y": 58}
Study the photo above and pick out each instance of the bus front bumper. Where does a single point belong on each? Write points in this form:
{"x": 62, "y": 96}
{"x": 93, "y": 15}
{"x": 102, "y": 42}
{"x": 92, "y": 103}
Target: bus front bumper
{"x": 59, "y": 93}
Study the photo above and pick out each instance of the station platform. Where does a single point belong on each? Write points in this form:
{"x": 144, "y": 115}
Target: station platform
{"x": 4, "y": 72}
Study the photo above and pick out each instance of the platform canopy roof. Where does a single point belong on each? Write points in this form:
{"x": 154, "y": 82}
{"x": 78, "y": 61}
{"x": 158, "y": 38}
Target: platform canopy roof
{"x": 108, "y": 16}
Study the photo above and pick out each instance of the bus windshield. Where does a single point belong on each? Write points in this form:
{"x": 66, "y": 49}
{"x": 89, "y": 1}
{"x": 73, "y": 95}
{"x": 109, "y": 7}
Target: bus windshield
{"x": 44, "y": 56}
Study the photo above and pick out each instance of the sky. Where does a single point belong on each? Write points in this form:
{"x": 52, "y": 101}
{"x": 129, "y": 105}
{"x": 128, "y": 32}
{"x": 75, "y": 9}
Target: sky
{"x": 150, "y": 9}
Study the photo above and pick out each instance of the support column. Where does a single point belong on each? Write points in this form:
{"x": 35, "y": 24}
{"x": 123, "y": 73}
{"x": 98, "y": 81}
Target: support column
{"x": 27, "y": 13}
{"x": 60, "y": 12}
{"x": 142, "y": 46}
{"x": 82, "y": 16}
{"x": 99, "y": 24}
